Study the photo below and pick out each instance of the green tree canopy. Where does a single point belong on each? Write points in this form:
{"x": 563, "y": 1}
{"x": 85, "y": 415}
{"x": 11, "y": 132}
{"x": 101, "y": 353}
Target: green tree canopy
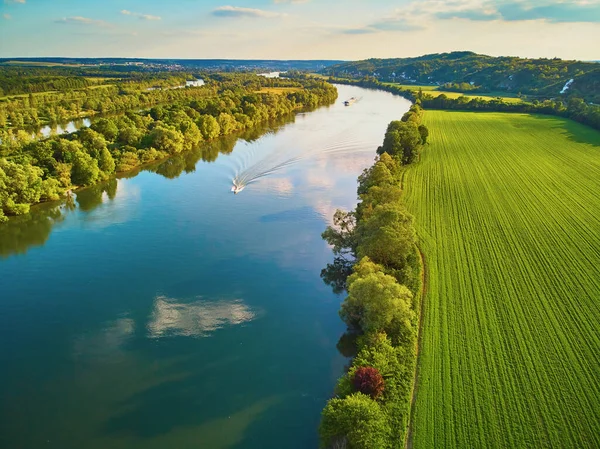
{"x": 354, "y": 422}
{"x": 377, "y": 303}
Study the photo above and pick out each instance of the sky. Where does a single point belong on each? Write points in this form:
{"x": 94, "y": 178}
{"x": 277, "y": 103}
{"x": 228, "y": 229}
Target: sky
{"x": 298, "y": 29}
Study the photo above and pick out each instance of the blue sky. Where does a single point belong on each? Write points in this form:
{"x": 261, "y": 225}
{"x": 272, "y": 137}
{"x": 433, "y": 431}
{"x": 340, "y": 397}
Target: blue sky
{"x": 298, "y": 29}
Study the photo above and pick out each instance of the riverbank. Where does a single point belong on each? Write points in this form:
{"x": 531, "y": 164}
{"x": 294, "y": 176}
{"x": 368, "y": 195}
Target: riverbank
{"x": 143, "y": 303}
{"x": 377, "y": 243}
{"x": 39, "y": 171}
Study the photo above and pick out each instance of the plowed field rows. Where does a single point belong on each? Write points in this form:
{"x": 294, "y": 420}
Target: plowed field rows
{"x": 508, "y": 216}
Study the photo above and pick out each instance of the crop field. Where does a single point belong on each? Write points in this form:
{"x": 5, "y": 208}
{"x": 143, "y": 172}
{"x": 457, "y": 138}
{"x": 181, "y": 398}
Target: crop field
{"x": 278, "y": 90}
{"x": 435, "y": 91}
{"x": 507, "y": 210}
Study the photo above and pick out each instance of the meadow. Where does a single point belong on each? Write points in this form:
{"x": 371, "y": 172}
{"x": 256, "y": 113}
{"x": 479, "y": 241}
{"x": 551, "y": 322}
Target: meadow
{"x": 507, "y": 211}
{"x": 435, "y": 91}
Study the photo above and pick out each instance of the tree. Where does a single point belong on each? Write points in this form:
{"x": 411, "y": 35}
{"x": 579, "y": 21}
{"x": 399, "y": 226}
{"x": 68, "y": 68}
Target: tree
{"x": 106, "y": 163}
{"x": 424, "y": 132}
{"x": 85, "y": 169}
{"x": 209, "y": 127}
{"x": 377, "y": 303}
{"x": 355, "y": 422}
{"x": 341, "y": 235}
{"x": 402, "y": 140}
{"x": 368, "y": 380}
{"x": 107, "y": 128}
{"x": 388, "y": 238}
{"x": 167, "y": 139}
{"x": 227, "y": 123}
{"x": 20, "y": 186}
{"x": 377, "y": 175}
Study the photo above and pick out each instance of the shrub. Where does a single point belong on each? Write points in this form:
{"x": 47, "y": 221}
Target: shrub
{"x": 369, "y": 381}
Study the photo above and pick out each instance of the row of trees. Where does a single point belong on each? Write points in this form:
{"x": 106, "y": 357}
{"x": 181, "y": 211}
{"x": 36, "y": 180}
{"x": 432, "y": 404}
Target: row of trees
{"x": 39, "y": 170}
{"x": 22, "y": 232}
{"x": 376, "y": 245}
{"x": 573, "y": 108}
{"x": 470, "y": 71}
{"x": 32, "y": 111}
{"x": 16, "y": 79}
{"x": 404, "y": 138}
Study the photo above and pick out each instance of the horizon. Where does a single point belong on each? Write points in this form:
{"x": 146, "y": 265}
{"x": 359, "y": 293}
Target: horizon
{"x": 16, "y": 58}
{"x": 298, "y": 29}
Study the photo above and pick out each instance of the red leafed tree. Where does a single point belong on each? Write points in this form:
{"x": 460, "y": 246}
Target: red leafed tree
{"x": 368, "y": 380}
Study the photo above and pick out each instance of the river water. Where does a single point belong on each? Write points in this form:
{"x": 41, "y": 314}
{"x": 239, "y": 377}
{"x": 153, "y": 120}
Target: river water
{"x": 163, "y": 311}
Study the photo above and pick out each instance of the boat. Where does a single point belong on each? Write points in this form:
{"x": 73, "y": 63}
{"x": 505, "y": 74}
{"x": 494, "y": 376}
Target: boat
{"x": 237, "y": 188}
{"x": 350, "y": 101}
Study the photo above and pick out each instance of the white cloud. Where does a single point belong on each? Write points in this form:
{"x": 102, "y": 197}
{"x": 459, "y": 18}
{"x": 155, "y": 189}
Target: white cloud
{"x": 295, "y": 2}
{"x": 83, "y": 21}
{"x": 237, "y": 11}
{"x": 196, "y": 319}
{"x": 149, "y": 17}
{"x": 140, "y": 16}
{"x": 6, "y": 16}
{"x": 14, "y": 1}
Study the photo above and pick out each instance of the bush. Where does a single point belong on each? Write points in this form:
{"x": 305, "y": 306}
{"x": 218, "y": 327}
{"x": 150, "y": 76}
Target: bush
{"x": 356, "y": 421}
{"x": 369, "y": 381}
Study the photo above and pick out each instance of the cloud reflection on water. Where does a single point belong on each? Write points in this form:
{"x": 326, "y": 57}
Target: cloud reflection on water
{"x": 196, "y": 319}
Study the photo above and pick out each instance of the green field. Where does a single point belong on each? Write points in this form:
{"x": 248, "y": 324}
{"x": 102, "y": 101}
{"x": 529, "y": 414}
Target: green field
{"x": 508, "y": 216}
{"x": 435, "y": 91}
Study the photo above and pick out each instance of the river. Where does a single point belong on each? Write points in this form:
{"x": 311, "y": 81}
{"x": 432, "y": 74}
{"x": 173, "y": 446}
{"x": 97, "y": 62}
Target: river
{"x": 167, "y": 312}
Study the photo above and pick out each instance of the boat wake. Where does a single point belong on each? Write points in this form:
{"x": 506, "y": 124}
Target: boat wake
{"x": 279, "y": 160}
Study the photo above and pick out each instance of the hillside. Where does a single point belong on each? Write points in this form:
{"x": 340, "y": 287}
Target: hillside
{"x": 471, "y": 72}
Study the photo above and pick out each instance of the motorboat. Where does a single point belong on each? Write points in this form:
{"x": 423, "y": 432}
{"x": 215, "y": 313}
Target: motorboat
{"x": 350, "y": 101}
{"x": 237, "y": 188}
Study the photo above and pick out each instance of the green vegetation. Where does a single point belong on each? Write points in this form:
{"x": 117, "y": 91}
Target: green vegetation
{"x": 435, "y": 91}
{"x": 376, "y": 243}
{"x": 508, "y": 216}
{"x": 573, "y": 108}
{"x": 469, "y": 72}
{"x": 32, "y": 170}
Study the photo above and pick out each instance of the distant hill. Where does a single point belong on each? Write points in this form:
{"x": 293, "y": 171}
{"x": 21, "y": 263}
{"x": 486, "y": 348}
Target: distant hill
{"x": 174, "y": 64}
{"x": 470, "y": 72}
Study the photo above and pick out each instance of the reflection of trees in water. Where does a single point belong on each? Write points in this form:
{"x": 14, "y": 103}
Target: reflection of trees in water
{"x": 347, "y": 345}
{"x": 335, "y": 274}
{"x": 22, "y": 232}
{"x": 174, "y": 166}
{"x": 90, "y": 198}
{"x": 33, "y": 229}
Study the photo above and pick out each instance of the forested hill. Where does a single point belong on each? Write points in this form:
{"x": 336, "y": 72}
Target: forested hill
{"x": 470, "y": 72}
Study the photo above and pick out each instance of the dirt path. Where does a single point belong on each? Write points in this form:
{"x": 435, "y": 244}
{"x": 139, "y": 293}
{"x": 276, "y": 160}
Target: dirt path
{"x": 410, "y": 431}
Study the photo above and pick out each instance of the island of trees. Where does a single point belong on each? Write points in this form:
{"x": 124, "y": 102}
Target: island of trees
{"x": 33, "y": 170}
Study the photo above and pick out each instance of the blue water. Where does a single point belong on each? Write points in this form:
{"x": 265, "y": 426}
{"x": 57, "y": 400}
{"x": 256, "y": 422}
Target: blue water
{"x": 170, "y": 313}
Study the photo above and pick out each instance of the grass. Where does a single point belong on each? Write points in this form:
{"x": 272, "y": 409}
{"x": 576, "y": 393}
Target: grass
{"x": 278, "y": 90}
{"x": 435, "y": 91}
{"x": 508, "y": 216}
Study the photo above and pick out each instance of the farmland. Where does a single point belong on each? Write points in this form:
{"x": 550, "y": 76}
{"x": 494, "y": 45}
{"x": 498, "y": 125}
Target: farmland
{"x": 435, "y": 91}
{"x": 508, "y": 218}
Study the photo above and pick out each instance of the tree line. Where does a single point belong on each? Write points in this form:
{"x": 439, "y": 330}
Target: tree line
{"x": 33, "y": 171}
{"x": 378, "y": 263}
{"x": 33, "y": 229}
{"x": 574, "y": 108}
{"x": 481, "y": 73}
